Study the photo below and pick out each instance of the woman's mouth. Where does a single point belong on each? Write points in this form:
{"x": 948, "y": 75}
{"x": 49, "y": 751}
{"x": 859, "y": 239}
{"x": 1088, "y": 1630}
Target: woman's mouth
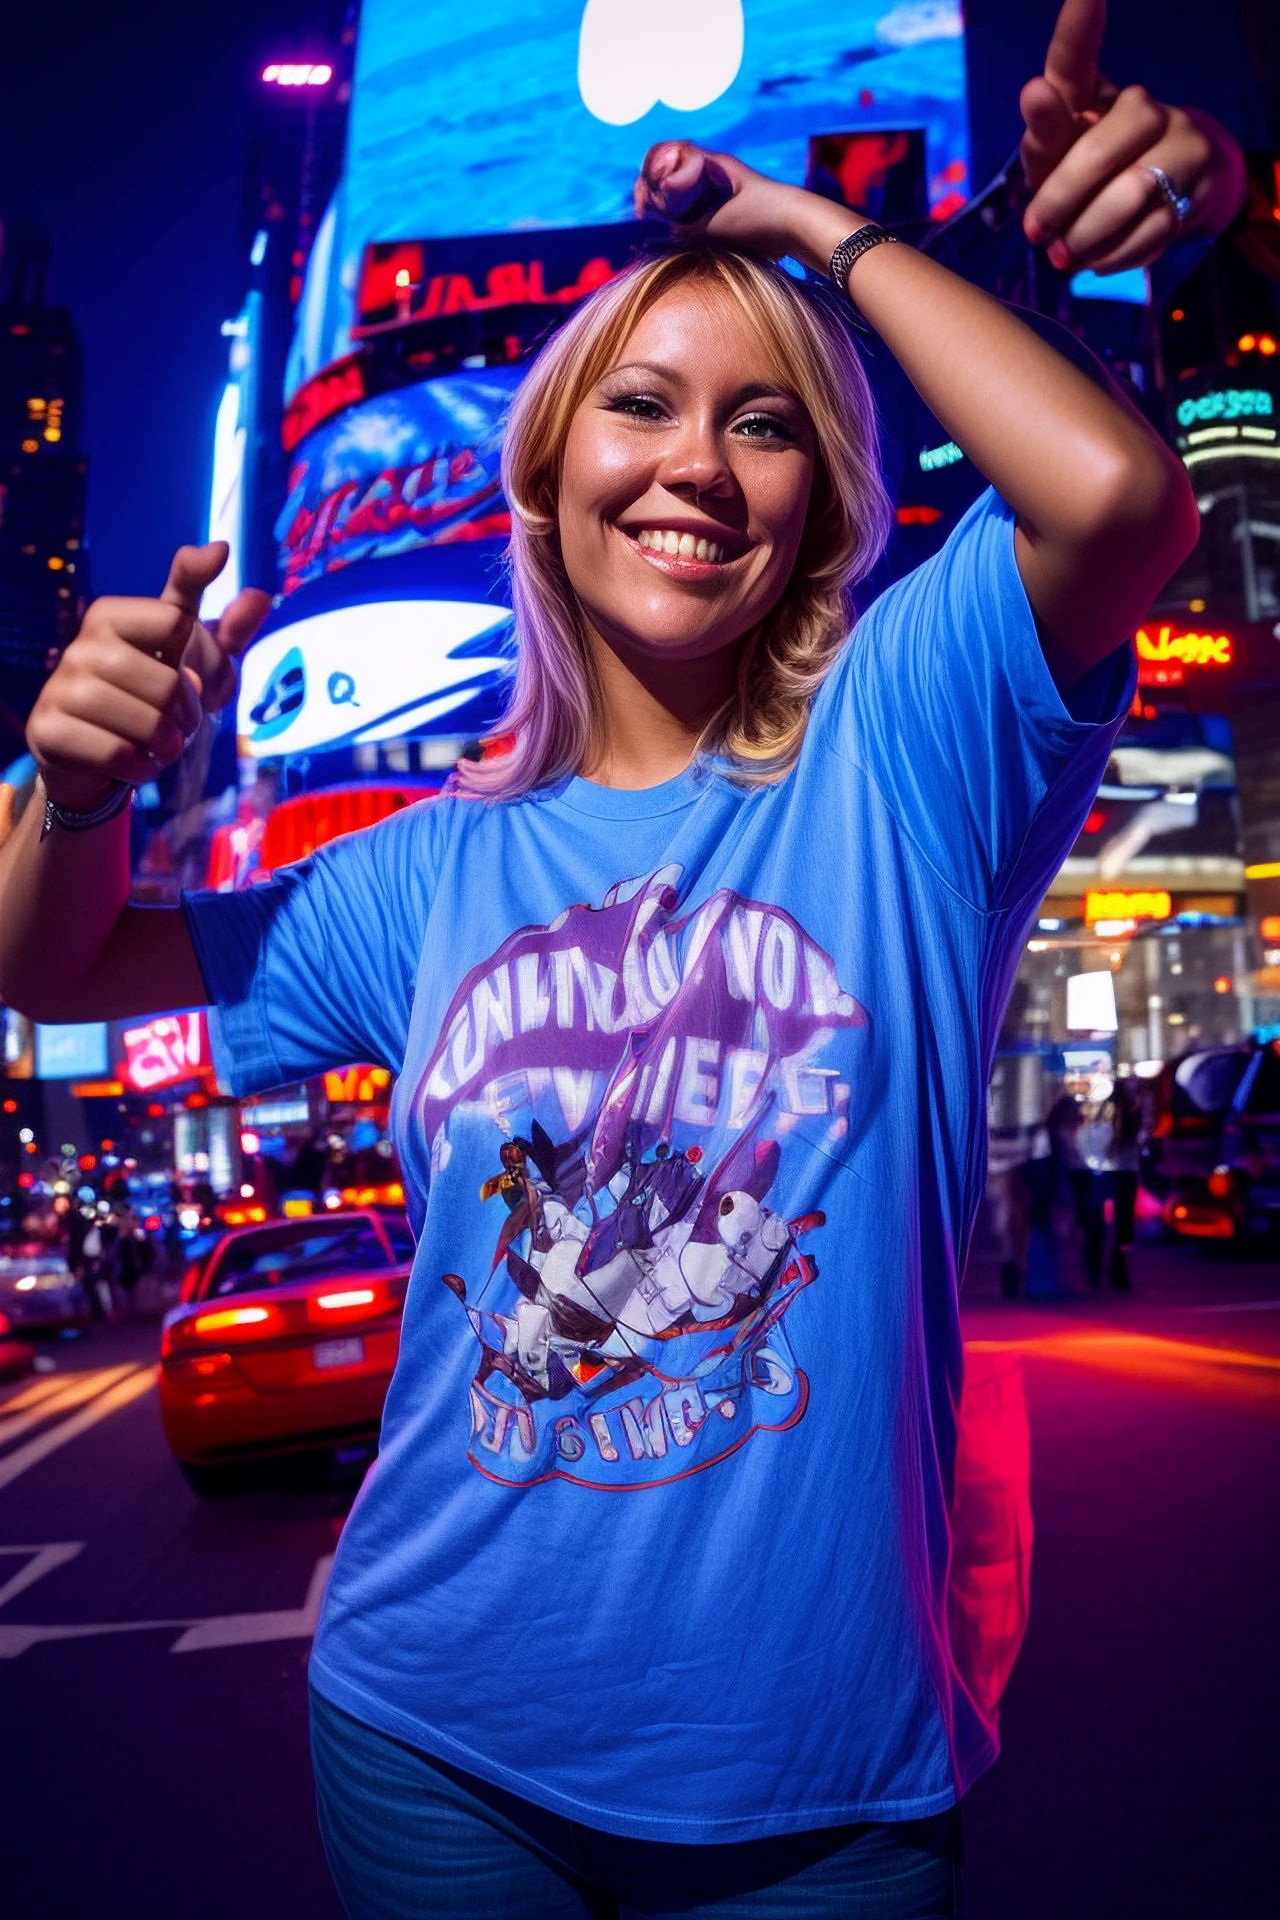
{"x": 680, "y": 553}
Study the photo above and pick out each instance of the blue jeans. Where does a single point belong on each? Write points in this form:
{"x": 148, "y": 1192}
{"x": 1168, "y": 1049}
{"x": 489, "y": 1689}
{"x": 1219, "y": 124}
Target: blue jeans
{"x": 408, "y": 1836}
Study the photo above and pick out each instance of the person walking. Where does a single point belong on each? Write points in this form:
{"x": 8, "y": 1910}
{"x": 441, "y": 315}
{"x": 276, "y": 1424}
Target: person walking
{"x": 697, "y": 978}
{"x": 1111, "y": 1144}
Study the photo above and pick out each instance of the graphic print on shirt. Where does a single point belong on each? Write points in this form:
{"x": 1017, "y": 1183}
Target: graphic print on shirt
{"x": 640, "y": 1076}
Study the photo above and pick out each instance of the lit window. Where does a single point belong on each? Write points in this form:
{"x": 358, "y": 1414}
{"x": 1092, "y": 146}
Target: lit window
{"x": 31, "y": 446}
{"x": 53, "y": 433}
{"x": 56, "y": 562}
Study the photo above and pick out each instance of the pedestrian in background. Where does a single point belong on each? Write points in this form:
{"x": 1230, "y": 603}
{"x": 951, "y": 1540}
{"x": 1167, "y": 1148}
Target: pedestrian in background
{"x": 1111, "y": 1145}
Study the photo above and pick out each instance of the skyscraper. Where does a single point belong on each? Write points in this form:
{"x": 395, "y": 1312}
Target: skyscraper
{"x": 43, "y": 568}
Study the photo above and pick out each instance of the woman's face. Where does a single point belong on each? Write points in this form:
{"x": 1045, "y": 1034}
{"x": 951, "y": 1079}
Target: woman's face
{"x": 686, "y": 483}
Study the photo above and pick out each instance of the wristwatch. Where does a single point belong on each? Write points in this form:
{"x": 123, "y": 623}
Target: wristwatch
{"x": 73, "y": 820}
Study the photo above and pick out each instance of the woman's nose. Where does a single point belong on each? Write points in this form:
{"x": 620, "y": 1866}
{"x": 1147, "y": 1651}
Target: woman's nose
{"x": 697, "y": 464}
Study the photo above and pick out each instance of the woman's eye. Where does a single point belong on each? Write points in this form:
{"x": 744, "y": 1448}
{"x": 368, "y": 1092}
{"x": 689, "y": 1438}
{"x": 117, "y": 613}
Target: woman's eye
{"x": 763, "y": 426}
{"x": 640, "y": 405}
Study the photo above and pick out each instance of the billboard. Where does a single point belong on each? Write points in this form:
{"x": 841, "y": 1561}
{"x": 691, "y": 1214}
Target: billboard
{"x": 411, "y": 468}
{"x": 502, "y": 116}
{"x": 71, "y": 1052}
{"x": 373, "y": 671}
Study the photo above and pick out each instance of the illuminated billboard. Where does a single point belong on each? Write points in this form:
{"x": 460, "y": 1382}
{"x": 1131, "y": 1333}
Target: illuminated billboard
{"x": 500, "y": 116}
{"x": 356, "y": 674}
{"x": 414, "y": 467}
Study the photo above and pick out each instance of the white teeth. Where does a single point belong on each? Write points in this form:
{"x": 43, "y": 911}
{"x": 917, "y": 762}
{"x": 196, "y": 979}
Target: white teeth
{"x": 685, "y": 546}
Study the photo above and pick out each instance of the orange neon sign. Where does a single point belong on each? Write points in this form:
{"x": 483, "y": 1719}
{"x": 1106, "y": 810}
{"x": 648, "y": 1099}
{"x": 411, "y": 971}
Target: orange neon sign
{"x": 357, "y": 1084}
{"x": 1144, "y": 905}
{"x": 1183, "y": 649}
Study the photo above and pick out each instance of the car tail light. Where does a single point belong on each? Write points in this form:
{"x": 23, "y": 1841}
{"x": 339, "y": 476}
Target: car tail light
{"x": 204, "y": 1370}
{"x": 338, "y": 1304}
{"x": 1219, "y": 1182}
{"x": 221, "y": 1324}
{"x": 5, "y": 1324}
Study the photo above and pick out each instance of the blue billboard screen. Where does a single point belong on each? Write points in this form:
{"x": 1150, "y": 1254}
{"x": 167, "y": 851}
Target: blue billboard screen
{"x": 499, "y": 116}
{"x": 76, "y": 1052}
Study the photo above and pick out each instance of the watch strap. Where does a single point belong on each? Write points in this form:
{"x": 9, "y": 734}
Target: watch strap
{"x": 852, "y": 249}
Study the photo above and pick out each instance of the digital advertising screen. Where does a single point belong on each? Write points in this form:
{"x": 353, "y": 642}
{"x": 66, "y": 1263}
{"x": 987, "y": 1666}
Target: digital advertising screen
{"x": 487, "y": 187}
{"x": 498, "y": 117}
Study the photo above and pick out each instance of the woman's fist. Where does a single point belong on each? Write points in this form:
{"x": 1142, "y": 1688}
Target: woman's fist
{"x": 131, "y": 688}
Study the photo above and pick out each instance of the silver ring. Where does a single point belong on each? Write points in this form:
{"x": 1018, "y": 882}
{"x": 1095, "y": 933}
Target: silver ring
{"x": 1179, "y": 204}
{"x": 151, "y": 757}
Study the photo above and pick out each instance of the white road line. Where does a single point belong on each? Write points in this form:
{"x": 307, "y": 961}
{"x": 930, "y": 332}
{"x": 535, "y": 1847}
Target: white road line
{"x": 246, "y": 1629}
{"x": 198, "y": 1636}
{"x": 43, "y": 1560}
{"x": 73, "y": 1393}
{"x": 22, "y": 1458}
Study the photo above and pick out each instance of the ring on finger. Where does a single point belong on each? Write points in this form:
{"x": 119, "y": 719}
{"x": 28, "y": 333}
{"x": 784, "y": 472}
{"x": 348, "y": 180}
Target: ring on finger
{"x": 1179, "y": 204}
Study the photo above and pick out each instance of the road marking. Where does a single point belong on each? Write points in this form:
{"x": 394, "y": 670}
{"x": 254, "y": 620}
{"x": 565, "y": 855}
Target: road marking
{"x": 247, "y": 1629}
{"x": 43, "y": 1560}
{"x": 22, "y": 1458}
{"x": 71, "y": 1393}
{"x": 194, "y": 1636}
{"x": 33, "y": 1391}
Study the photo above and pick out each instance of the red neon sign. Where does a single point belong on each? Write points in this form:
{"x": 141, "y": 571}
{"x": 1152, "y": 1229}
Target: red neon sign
{"x": 394, "y": 283}
{"x": 1184, "y": 649}
{"x": 340, "y": 385}
{"x": 171, "y": 1048}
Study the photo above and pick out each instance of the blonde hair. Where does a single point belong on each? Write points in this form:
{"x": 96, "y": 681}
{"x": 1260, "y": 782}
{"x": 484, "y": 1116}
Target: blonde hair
{"x": 555, "y": 717}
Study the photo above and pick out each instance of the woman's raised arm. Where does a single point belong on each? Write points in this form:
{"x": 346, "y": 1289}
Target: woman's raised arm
{"x": 1104, "y": 509}
{"x": 115, "y": 711}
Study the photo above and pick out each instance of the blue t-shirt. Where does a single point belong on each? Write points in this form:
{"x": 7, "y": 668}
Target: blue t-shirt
{"x": 690, "y": 1107}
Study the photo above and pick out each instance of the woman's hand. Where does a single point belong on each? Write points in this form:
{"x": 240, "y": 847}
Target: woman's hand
{"x": 131, "y": 688}
{"x": 1088, "y": 148}
{"x": 712, "y": 193}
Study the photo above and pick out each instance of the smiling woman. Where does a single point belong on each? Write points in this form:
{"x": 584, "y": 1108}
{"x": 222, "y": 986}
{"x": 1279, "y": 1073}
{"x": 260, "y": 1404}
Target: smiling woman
{"x": 704, "y": 396}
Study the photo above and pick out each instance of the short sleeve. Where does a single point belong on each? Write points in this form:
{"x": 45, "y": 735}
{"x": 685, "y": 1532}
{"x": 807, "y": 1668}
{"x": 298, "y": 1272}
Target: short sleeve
{"x": 316, "y": 968}
{"x": 945, "y": 702}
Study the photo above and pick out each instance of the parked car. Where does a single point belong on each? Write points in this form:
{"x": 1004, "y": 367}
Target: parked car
{"x": 38, "y": 1291}
{"x": 16, "y": 1356}
{"x": 1219, "y": 1151}
{"x": 283, "y": 1341}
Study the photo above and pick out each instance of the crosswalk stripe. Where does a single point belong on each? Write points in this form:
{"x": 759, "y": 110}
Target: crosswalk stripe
{"x": 73, "y": 1393}
{"x": 22, "y": 1458}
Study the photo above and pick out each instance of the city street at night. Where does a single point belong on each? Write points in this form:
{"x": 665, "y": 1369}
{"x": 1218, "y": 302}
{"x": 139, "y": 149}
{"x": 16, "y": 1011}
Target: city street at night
{"x": 640, "y": 960}
{"x": 153, "y": 1646}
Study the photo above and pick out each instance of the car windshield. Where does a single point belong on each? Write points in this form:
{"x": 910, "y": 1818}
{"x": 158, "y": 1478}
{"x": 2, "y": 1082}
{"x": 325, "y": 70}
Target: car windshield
{"x": 309, "y": 1250}
{"x": 396, "y": 1228}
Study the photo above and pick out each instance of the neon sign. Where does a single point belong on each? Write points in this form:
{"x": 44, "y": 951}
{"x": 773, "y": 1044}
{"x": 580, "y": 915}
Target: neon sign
{"x": 171, "y": 1048}
{"x": 1146, "y": 905}
{"x": 1184, "y": 649}
{"x": 297, "y": 73}
{"x": 356, "y": 1084}
{"x": 944, "y": 456}
{"x": 1228, "y": 403}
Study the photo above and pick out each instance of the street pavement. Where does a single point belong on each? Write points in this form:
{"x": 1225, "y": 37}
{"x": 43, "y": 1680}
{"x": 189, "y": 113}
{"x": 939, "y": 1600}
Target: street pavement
{"x": 153, "y": 1646}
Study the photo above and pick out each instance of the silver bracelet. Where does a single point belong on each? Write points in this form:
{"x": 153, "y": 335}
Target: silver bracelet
{"x": 72, "y": 820}
{"x": 853, "y": 248}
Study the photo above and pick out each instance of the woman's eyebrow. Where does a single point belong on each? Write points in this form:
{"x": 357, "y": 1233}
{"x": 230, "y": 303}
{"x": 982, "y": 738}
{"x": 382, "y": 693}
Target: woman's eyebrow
{"x": 752, "y": 390}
